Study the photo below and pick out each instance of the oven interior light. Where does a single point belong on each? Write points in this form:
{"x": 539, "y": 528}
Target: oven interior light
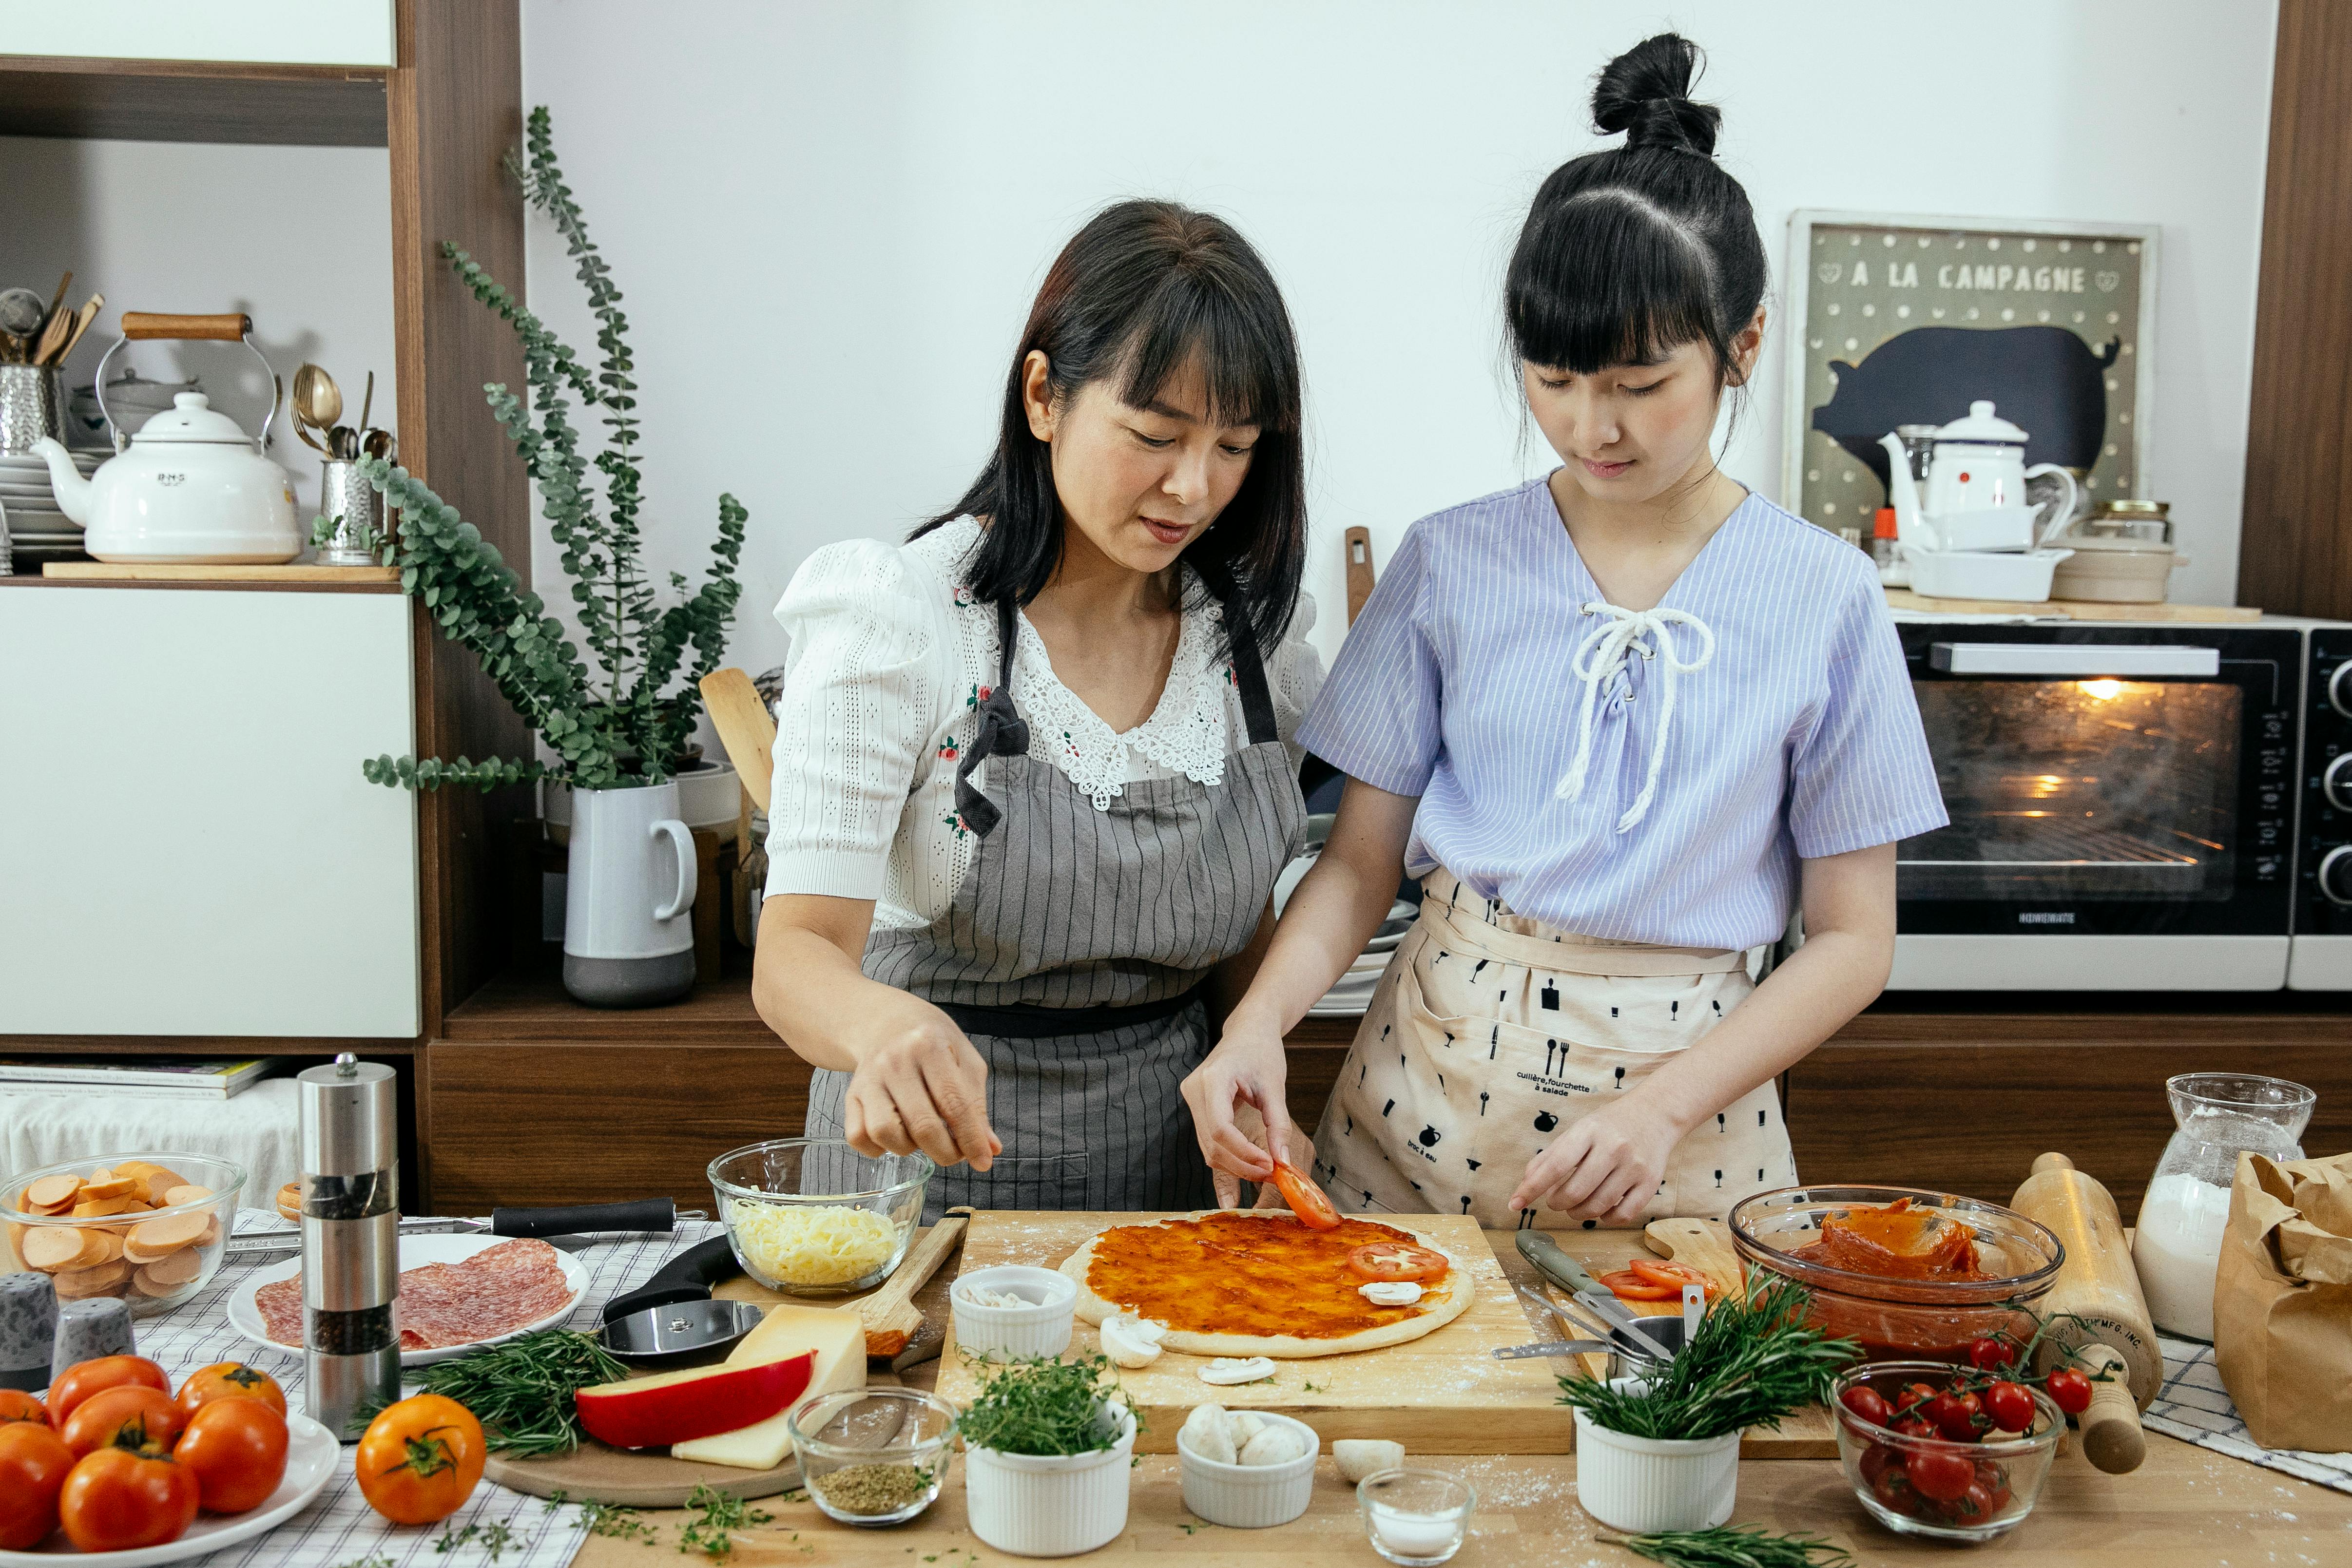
{"x": 2100, "y": 690}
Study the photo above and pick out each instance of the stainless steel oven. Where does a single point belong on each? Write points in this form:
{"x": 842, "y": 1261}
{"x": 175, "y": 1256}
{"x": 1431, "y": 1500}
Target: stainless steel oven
{"x": 2136, "y": 806}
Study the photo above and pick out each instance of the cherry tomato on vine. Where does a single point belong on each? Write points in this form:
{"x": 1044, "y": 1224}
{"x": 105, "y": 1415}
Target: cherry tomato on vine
{"x": 118, "y": 1499}
{"x": 1912, "y": 1394}
{"x": 1396, "y": 1261}
{"x": 420, "y": 1460}
{"x": 1990, "y": 1355}
{"x": 1973, "y": 1506}
{"x": 1626, "y": 1285}
{"x": 84, "y": 1378}
{"x": 128, "y": 1415}
{"x": 1894, "y": 1487}
{"x": 15, "y": 1404}
{"x": 1876, "y": 1460}
{"x": 1994, "y": 1479}
{"x": 2070, "y": 1389}
{"x": 230, "y": 1380}
{"x": 1944, "y": 1476}
{"x": 34, "y": 1464}
{"x": 1955, "y": 1415}
{"x": 1915, "y": 1426}
{"x": 1306, "y": 1199}
{"x": 2009, "y": 1406}
{"x": 1868, "y": 1404}
{"x": 237, "y": 1449}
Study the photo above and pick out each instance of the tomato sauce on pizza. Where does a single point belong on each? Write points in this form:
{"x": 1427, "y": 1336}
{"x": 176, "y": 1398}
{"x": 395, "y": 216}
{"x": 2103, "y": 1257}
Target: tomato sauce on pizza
{"x": 1238, "y": 1274}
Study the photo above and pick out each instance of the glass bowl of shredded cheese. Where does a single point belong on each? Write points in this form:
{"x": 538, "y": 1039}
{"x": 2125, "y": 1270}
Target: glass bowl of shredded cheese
{"x": 813, "y": 1217}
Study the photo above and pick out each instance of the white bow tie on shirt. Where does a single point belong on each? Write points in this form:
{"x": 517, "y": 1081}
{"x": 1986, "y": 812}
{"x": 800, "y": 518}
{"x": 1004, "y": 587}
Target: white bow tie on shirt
{"x": 1605, "y": 651}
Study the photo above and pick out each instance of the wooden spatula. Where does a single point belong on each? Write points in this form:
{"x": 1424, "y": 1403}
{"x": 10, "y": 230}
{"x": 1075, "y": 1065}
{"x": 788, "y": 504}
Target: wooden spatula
{"x": 744, "y": 729}
{"x": 891, "y": 1318}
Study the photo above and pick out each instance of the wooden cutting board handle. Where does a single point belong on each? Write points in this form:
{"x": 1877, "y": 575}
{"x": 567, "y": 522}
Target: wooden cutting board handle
{"x": 890, "y": 1312}
{"x": 1701, "y": 1244}
{"x": 744, "y": 729}
{"x": 229, "y": 329}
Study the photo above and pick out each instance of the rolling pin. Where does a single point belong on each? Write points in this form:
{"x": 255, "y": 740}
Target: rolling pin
{"x": 2097, "y": 1284}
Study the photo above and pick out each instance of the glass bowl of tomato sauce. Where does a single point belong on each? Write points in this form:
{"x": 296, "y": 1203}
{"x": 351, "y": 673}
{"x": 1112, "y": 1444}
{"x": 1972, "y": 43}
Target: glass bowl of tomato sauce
{"x": 1912, "y": 1274}
{"x": 1918, "y": 1484}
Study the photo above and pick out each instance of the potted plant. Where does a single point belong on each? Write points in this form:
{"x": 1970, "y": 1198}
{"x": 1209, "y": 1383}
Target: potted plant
{"x": 619, "y": 729}
{"x": 1664, "y": 1454}
{"x": 1048, "y": 1446}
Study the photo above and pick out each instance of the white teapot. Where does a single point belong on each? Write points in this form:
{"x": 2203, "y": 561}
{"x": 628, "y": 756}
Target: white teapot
{"x": 190, "y": 486}
{"x": 1975, "y": 497}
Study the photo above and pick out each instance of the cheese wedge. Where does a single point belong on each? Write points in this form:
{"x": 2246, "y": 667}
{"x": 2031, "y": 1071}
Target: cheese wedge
{"x": 835, "y": 1338}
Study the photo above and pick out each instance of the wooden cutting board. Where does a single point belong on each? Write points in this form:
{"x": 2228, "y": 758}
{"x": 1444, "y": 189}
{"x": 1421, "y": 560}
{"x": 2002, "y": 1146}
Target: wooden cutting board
{"x": 2073, "y": 609}
{"x": 1441, "y": 1393}
{"x": 648, "y": 1479}
{"x": 1705, "y": 1245}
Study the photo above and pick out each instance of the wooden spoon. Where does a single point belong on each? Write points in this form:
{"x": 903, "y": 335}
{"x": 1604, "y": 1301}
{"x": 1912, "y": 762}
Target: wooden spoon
{"x": 891, "y": 1318}
{"x": 82, "y": 320}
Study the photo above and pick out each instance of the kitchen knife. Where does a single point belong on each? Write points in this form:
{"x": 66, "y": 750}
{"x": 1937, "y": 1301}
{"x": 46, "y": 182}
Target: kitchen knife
{"x": 558, "y": 1226}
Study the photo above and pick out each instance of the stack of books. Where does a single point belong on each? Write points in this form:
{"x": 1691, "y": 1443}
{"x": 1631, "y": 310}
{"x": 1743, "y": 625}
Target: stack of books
{"x": 169, "y": 1076}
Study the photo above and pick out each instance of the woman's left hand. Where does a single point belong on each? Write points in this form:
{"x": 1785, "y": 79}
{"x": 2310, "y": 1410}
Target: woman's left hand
{"x": 1604, "y": 1166}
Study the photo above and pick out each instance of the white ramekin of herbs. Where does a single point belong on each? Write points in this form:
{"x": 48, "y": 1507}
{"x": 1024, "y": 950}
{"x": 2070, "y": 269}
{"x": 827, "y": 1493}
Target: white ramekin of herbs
{"x": 1048, "y": 1446}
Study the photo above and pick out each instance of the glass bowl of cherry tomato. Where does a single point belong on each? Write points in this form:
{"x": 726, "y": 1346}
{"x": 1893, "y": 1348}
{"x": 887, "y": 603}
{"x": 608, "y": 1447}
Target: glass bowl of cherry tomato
{"x": 2015, "y": 1262}
{"x": 1949, "y": 1453}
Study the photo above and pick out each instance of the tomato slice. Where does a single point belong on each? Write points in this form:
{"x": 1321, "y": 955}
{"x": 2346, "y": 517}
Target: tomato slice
{"x": 1658, "y": 1272}
{"x": 1396, "y": 1261}
{"x": 1626, "y": 1285}
{"x": 1306, "y": 1199}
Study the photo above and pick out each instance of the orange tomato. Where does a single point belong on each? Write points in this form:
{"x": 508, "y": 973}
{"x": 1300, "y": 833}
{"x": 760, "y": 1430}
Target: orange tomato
{"x": 127, "y": 1416}
{"x": 1674, "y": 1276}
{"x": 420, "y": 1460}
{"x": 118, "y": 1499}
{"x": 1626, "y": 1285}
{"x": 230, "y": 1380}
{"x": 1306, "y": 1199}
{"x": 82, "y": 1379}
{"x": 1396, "y": 1261}
{"x": 34, "y": 1464}
{"x": 15, "y": 1404}
{"x": 237, "y": 1449}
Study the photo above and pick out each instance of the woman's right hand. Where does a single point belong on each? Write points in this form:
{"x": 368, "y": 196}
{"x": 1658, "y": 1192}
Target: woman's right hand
{"x": 1247, "y": 1067}
{"x": 919, "y": 1084}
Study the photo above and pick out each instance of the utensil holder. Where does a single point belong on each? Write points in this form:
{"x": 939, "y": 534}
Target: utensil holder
{"x": 32, "y": 405}
{"x": 354, "y": 510}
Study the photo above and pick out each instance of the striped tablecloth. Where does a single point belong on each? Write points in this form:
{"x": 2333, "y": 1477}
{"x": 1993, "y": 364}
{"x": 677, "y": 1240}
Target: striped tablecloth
{"x": 340, "y": 1530}
{"x": 2193, "y": 1407}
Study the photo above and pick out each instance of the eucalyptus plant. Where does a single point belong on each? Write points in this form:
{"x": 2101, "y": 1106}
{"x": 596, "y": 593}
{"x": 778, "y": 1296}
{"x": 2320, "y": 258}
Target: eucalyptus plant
{"x": 614, "y": 722}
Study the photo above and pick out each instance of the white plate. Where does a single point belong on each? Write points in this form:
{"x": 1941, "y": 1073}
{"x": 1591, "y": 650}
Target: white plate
{"x": 311, "y": 1457}
{"x": 416, "y": 1251}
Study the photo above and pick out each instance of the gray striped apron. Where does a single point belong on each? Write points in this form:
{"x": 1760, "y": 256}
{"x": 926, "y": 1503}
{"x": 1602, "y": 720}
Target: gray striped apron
{"x": 1075, "y": 957}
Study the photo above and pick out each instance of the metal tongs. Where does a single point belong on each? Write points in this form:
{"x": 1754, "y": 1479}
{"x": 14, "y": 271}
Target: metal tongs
{"x": 1630, "y": 1334}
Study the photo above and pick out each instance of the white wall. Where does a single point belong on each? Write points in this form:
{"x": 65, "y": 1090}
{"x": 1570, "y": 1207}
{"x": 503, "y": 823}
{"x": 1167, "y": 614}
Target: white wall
{"x": 830, "y": 219}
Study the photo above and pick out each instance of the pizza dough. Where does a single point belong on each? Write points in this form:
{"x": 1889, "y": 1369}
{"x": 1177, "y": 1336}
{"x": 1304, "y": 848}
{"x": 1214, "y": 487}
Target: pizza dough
{"x": 1244, "y": 1283}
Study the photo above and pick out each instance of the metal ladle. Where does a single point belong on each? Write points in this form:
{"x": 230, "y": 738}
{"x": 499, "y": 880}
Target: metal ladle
{"x": 318, "y": 404}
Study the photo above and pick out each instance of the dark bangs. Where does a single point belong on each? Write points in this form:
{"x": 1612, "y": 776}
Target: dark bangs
{"x": 1606, "y": 278}
{"x": 1141, "y": 293}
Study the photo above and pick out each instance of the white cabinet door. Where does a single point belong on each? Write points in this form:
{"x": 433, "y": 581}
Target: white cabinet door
{"x": 275, "y": 32}
{"x": 186, "y": 845}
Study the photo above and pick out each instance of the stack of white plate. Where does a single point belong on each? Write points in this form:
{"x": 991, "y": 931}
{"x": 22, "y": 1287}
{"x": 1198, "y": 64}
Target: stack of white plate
{"x": 38, "y": 529}
{"x": 1352, "y": 995}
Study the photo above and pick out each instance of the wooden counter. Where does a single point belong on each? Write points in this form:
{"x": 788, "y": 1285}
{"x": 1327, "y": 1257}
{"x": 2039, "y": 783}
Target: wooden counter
{"x": 2184, "y": 1508}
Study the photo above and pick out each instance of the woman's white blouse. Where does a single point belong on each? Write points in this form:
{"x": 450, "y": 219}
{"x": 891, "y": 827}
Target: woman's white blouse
{"x": 890, "y": 655}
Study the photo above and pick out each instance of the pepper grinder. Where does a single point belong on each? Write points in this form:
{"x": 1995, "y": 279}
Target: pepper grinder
{"x": 350, "y": 1243}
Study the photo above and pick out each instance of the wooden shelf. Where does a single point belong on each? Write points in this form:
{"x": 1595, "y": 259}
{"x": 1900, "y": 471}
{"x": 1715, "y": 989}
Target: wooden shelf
{"x": 194, "y": 101}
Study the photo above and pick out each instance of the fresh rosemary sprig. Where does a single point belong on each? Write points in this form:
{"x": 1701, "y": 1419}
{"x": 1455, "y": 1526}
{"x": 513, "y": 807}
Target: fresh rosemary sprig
{"x": 1733, "y": 1546}
{"x": 1042, "y": 1407}
{"x": 1752, "y": 1361}
{"x": 521, "y": 1391}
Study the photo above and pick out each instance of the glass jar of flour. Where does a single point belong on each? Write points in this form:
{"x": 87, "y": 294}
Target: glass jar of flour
{"x": 2178, "y": 1246}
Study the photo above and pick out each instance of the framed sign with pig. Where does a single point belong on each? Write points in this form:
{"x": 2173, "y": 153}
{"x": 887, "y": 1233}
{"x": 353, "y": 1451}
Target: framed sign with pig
{"x": 1908, "y": 320}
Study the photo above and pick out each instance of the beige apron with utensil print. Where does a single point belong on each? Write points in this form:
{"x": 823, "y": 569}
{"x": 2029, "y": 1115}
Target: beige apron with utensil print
{"x": 1491, "y": 1033}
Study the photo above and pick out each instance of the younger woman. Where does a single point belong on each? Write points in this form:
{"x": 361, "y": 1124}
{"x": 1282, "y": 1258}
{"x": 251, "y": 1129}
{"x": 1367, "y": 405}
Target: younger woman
{"x": 1616, "y": 720}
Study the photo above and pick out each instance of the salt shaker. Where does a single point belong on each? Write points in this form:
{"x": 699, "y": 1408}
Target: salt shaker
{"x": 350, "y": 1242}
{"x": 28, "y": 1328}
{"x": 88, "y": 1328}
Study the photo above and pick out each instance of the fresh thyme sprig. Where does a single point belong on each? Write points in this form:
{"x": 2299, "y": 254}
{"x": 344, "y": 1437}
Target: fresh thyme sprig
{"x": 712, "y": 1533}
{"x": 1752, "y": 1361}
{"x": 1733, "y": 1546}
{"x": 1043, "y": 1406}
{"x": 522, "y": 1390}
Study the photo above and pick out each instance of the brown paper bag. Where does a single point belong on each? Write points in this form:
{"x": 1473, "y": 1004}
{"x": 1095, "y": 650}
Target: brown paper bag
{"x": 2283, "y": 1303}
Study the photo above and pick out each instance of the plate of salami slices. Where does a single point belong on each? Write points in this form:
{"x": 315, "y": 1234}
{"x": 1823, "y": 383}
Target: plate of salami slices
{"x": 457, "y": 1293}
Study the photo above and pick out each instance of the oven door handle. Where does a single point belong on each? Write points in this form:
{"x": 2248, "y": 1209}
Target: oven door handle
{"x": 2074, "y": 659}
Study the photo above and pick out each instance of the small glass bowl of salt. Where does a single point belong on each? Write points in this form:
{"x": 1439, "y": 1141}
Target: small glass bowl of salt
{"x": 1417, "y": 1518}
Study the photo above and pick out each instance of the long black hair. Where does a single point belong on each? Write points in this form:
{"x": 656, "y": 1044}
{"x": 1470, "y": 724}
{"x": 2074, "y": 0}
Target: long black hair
{"x": 1629, "y": 254}
{"x": 1144, "y": 290}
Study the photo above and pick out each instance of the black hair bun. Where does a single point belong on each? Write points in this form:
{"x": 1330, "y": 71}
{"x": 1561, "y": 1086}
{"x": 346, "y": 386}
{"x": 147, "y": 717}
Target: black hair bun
{"x": 1645, "y": 93}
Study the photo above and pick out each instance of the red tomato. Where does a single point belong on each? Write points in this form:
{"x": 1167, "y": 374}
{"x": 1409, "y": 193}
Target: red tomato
{"x": 1868, "y": 1404}
{"x": 126, "y": 1416}
{"x": 1893, "y": 1488}
{"x": 1955, "y": 1415}
{"x": 34, "y": 1464}
{"x": 15, "y": 1404}
{"x": 1940, "y": 1473}
{"x": 2009, "y": 1406}
{"x": 230, "y": 1380}
{"x": 1994, "y": 1479}
{"x": 1989, "y": 1354}
{"x": 1675, "y": 1276}
{"x": 1396, "y": 1261}
{"x": 81, "y": 1380}
{"x": 1876, "y": 1460}
{"x": 237, "y": 1449}
{"x": 421, "y": 1460}
{"x": 1914, "y": 1427}
{"x": 1626, "y": 1285}
{"x": 1306, "y": 1199}
{"x": 2071, "y": 1390}
{"x": 1912, "y": 1394}
{"x": 118, "y": 1499}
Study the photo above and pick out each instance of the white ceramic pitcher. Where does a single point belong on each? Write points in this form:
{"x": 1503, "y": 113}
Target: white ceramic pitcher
{"x": 628, "y": 906}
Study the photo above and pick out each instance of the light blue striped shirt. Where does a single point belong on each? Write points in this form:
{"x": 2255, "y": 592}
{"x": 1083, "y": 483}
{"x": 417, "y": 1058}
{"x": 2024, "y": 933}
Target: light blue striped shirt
{"x": 1798, "y": 736}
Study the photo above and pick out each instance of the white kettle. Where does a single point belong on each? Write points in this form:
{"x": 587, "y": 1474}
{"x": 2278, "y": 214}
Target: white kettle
{"x": 1975, "y": 487}
{"x": 190, "y": 486}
